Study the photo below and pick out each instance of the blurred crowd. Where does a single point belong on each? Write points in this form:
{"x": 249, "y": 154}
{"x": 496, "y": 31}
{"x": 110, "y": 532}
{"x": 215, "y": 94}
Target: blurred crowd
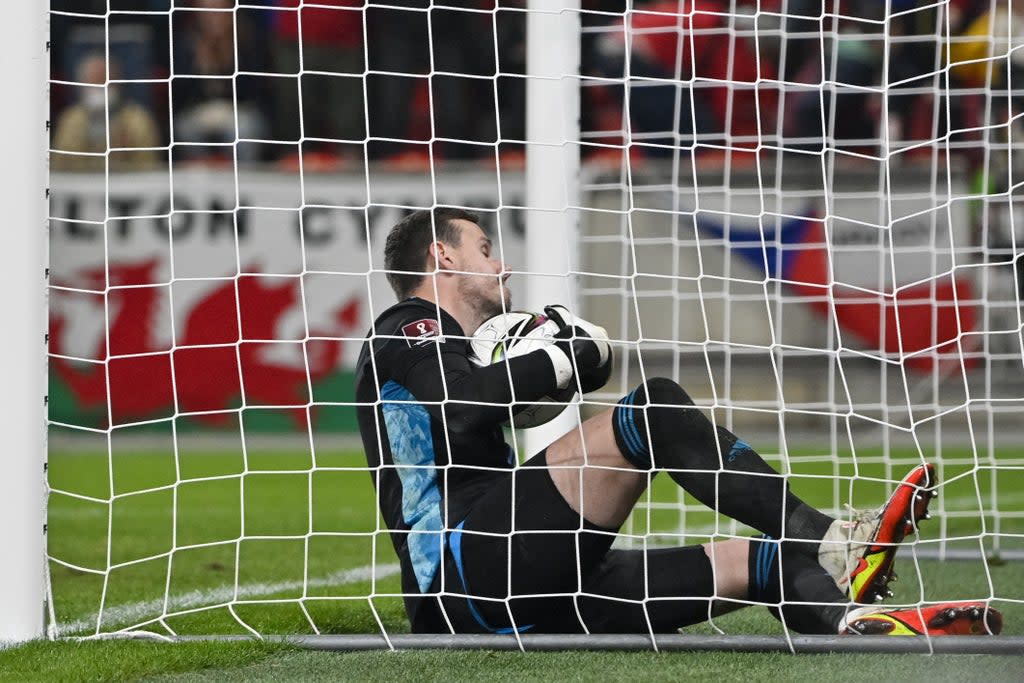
{"x": 850, "y": 75}
{"x": 333, "y": 82}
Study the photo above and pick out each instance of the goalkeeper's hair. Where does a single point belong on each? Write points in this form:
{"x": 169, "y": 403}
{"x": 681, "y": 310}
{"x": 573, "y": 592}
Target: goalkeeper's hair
{"x": 405, "y": 252}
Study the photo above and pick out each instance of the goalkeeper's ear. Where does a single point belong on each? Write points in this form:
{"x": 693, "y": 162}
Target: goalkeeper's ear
{"x": 440, "y": 256}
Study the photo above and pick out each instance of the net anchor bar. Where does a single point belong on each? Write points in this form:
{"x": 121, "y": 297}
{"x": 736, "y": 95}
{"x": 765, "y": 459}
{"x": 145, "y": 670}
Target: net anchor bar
{"x": 966, "y": 645}
{"x": 680, "y": 643}
{"x": 1005, "y": 645}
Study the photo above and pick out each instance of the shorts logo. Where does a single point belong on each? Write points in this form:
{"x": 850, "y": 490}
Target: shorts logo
{"x": 419, "y": 332}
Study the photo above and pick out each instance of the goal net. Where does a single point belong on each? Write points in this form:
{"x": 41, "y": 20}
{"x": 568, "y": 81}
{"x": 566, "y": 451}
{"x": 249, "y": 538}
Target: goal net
{"x": 806, "y": 218}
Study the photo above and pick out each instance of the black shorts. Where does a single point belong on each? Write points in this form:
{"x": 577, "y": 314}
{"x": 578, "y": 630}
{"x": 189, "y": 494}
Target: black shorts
{"x": 524, "y": 560}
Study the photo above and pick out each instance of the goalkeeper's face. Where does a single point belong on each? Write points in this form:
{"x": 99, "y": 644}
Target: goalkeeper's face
{"x": 486, "y": 292}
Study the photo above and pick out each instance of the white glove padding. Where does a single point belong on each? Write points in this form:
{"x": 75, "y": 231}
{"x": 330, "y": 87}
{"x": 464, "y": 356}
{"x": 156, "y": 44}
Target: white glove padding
{"x": 596, "y": 332}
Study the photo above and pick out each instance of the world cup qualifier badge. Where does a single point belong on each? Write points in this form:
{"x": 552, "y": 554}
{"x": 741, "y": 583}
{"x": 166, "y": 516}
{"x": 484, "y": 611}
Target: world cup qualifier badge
{"x": 418, "y": 332}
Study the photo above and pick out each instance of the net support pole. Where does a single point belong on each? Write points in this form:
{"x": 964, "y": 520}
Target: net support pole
{"x": 23, "y": 262}
{"x": 552, "y": 169}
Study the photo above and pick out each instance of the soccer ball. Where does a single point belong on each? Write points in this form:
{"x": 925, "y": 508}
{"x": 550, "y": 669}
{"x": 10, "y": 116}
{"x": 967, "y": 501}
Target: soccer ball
{"x": 508, "y": 335}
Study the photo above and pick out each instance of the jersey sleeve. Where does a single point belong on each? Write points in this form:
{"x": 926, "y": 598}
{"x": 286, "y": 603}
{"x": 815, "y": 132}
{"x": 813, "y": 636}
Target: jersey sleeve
{"x": 437, "y": 370}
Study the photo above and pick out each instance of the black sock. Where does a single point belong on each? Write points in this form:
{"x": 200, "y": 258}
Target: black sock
{"x": 717, "y": 468}
{"x": 779, "y": 573}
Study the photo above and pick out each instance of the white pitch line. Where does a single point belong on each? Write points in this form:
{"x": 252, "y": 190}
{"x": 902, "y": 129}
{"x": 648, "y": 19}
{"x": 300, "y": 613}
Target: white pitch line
{"x": 138, "y": 611}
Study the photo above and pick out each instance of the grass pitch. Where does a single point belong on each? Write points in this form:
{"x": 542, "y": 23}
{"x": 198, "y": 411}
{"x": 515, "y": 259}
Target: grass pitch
{"x": 260, "y": 662}
{"x": 195, "y": 543}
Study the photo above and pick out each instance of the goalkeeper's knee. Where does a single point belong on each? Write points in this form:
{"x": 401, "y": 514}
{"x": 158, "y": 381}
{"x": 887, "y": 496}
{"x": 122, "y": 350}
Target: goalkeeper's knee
{"x": 633, "y": 423}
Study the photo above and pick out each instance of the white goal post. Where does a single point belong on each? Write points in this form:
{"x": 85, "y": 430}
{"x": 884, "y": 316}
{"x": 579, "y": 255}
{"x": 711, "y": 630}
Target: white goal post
{"x": 25, "y": 67}
{"x": 850, "y": 303}
{"x": 552, "y": 169}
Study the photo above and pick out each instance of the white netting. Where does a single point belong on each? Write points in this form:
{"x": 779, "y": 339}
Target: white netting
{"x": 854, "y": 293}
{"x": 807, "y": 219}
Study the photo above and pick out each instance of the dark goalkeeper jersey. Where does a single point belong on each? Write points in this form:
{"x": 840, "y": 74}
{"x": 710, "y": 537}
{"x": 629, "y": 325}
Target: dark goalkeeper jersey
{"x": 431, "y": 421}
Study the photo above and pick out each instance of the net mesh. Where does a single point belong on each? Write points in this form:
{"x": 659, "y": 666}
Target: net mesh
{"x": 805, "y": 218}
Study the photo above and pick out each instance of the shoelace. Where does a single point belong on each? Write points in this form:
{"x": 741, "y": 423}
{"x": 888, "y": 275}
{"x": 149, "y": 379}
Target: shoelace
{"x": 858, "y": 517}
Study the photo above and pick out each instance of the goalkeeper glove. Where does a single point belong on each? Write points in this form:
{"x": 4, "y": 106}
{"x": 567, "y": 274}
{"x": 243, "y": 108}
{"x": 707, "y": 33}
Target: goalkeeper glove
{"x": 585, "y": 344}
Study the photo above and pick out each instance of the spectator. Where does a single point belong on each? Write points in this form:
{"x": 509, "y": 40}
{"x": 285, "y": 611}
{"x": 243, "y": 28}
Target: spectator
{"x": 212, "y": 104}
{"x": 449, "y": 67}
{"x": 83, "y": 126}
{"x": 399, "y": 44}
{"x": 801, "y": 34}
{"x": 838, "y": 104}
{"x": 475, "y": 127}
{"x": 510, "y": 29}
{"x": 985, "y": 49}
{"x": 851, "y": 69}
{"x": 727, "y": 103}
{"x": 332, "y": 101}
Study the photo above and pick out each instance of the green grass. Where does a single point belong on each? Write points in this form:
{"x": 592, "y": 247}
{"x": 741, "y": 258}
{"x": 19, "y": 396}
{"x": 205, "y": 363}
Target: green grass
{"x": 122, "y": 660}
{"x": 270, "y": 525}
{"x": 411, "y": 667}
{"x": 255, "y": 661}
{"x": 275, "y": 543}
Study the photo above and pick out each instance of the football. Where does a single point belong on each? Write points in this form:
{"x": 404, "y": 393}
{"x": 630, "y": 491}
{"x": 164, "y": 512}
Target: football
{"x": 514, "y": 334}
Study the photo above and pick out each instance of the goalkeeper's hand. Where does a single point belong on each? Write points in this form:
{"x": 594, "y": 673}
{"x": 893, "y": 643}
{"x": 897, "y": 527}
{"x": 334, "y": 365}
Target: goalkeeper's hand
{"x": 585, "y": 344}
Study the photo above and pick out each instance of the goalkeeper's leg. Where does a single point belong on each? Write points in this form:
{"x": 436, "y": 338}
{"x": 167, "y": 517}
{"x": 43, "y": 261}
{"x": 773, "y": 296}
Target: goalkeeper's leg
{"x": 657, "y": 427}
{"x": 602, "y": 468}
{"x": 661, "y": 590}
{"x": 523, "y": 560}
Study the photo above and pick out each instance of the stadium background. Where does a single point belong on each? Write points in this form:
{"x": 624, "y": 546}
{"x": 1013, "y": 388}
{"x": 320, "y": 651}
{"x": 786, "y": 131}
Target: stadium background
{"x": 718, "y": 259}
{"x": 316, "y": 260}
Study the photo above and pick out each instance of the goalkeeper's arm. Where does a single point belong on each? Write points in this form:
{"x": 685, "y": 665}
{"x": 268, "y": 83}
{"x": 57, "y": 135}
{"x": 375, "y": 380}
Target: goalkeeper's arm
{"x": 474, "y": 396}
{"x": 480, "y": 396}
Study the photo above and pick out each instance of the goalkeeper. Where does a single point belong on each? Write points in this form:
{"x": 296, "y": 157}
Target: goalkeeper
{"x": 488, "y": 547}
